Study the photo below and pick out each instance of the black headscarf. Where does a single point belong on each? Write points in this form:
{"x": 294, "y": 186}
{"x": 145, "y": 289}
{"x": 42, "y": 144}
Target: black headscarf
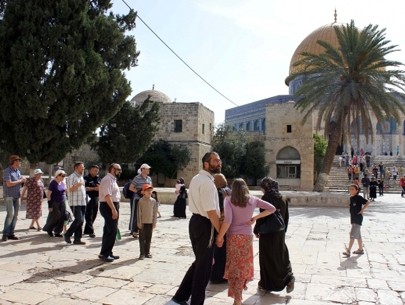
{"x": 270, "y": 186}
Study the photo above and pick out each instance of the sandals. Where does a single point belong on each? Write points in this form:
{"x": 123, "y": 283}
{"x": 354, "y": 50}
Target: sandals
{"x": 346, "y": 253}
{"x": 358, "y": 252}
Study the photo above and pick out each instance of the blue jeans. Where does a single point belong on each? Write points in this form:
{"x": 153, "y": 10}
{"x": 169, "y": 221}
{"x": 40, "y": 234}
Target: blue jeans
{"x": 12, "y": 208}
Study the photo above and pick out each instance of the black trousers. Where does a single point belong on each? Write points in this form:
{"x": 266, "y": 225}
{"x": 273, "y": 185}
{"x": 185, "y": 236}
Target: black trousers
{"x": 56, "y": 218}
{"x": 196, "y": 278}
{"x": 110, "y": 228}
{"x": 145, "y": 238}
{"x": 90, "y": 215}
{"x": 76, "y": 228}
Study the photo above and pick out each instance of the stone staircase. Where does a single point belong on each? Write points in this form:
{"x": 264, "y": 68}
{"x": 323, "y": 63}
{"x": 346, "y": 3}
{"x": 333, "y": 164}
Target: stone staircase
{"x": 339, "y": 182}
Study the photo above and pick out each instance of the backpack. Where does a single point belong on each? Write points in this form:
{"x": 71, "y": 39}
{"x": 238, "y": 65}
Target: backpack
{"x": 126, "y": 191}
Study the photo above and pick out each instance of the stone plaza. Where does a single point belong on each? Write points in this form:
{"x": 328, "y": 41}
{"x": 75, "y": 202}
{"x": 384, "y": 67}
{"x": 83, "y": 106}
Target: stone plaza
{"x": 38, "y": 269}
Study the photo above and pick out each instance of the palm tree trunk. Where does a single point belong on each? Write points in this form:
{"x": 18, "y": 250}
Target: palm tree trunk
{"x": 333, "y": 143}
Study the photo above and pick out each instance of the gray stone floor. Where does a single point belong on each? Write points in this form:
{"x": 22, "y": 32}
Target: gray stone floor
{"x": 38, "y": 269}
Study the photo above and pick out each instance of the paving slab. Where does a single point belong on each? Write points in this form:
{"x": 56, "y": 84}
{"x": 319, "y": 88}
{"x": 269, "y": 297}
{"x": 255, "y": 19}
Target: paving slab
{"x": 43, "y": 270}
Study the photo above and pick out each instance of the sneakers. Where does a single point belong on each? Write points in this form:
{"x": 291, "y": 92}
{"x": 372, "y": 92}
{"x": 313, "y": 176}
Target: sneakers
{"x": 358, "y": 252}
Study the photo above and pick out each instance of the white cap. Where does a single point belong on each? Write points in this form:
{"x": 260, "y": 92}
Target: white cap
{"x": 145, "y": 166}
{"x": 38, "y": 171}
{"x": 60, "y": 172}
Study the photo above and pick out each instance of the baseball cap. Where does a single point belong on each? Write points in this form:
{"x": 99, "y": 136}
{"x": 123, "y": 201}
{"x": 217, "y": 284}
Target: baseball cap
{"x": 14, "y": 158}
{"x": 38, "y": 171}
{"x": 145, "y": 166}
{"x": 146, "y": 187}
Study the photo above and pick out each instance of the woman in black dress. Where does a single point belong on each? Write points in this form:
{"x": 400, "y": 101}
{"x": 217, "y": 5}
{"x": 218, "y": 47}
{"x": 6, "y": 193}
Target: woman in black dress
{"x": 179, "y": 208}
{"x": 275, "y": 267}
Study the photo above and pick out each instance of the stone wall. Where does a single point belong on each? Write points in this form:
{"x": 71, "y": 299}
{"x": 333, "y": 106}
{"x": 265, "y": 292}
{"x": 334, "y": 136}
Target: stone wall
{"x": 278, "y": 116}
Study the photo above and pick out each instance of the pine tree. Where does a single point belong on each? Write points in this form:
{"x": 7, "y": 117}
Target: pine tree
{"x": 62, "y": 75}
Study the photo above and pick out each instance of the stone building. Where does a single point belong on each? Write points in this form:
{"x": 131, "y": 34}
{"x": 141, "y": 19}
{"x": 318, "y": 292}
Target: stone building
{"x": 288, "y": 143}
{"x": 188, "y": 124}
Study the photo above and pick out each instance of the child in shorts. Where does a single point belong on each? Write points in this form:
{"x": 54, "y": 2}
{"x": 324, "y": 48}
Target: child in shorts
{"x": 357, "y": 206}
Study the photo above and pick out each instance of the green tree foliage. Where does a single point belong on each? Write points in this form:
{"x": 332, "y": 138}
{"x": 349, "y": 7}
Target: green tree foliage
{"x": 126, "y": 136}
{"x": 230, "y": 146}
{"x": 348, "y": 83}
{"x": 254, "y": 161}
{"x": 166, "y": 158}
{"x": 61, "y": 73}
{"x": 320, "y": 145}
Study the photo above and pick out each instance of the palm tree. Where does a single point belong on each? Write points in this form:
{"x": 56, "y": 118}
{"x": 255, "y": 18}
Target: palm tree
{"x": 347, "y": 84}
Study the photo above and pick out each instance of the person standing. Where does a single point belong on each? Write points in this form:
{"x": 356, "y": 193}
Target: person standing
{"x": 373, "y": 189}
{"x": 56, "y": 195}
{"x": 147, "y": 216}
{"x": 34, "y": 187}
{"x": 77, "y": 203}
{"x": 238, "y": 210}
{"x": 92, "y": 182}
{"x": 218, "y": 268}
{"x": 110, "y": 196}
{"x": 274, "y": 259}
{"x": 357, "y": 206}
{"x": 136, "y": 187}
{"x": 179, "y": 207}
{"x": 365, "y": 182}
{"x": 12, "y": 182}
{"x": 203, "y": 203}
{"x": 402, "y": 184}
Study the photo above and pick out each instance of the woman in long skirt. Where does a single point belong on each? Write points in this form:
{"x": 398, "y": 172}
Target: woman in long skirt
{"x": 179, "y": 208}
{"x": 238, "y": 210}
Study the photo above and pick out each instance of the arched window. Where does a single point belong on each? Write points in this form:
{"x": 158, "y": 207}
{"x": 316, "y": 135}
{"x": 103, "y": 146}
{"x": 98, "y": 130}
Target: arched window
{"x": 264, "y": 125}
{"x": 288, "y": 163}
{"x": 247, "y": 126}
{"x": 256, "y": 125}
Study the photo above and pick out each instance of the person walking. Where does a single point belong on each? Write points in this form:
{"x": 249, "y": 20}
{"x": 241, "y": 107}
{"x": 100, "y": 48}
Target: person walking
{"x": 147, "y": 216}
{"x": 238, "y": 212}
{"x": 34, "y": 188}
{"x": 12, "y": 183}
{"x": 136, "y": 187}
{"x": 92, "y": 182}
{"x": 373, "y": 189}
{"x": 365, "y": 182}
{"x": 203, "y": 203}
{"x": 357, "y": 206}
{"x": 275, "y": 266}
{"x": 77, "y": 203}
{"x": 56, "y": 196}
{"x": 110, "y": 196}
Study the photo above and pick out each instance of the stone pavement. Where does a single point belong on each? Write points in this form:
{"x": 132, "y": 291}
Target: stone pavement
{"x": 38, "y": 269}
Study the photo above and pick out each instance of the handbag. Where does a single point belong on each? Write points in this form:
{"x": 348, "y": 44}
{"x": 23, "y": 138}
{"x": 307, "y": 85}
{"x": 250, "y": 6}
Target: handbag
{"x": 270, "y": 224}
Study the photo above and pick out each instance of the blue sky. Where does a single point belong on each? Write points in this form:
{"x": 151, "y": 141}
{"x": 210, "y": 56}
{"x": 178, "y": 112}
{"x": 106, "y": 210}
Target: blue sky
{"x": 241, "y": 47}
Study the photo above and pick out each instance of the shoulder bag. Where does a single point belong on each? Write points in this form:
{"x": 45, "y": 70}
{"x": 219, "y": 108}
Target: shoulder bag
{"x": 270, "y": 224}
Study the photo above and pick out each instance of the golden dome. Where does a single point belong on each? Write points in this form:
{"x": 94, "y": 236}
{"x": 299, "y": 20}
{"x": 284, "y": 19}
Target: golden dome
{"x": 309, "y": 44}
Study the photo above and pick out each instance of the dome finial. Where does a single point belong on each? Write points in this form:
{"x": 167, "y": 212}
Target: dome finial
{"x": 335, "y": 15}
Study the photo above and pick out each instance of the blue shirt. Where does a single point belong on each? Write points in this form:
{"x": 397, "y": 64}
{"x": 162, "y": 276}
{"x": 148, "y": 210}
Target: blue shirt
{"x": 11, "y": 174}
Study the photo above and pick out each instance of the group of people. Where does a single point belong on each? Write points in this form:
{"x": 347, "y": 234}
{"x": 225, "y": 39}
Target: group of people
{"x": 213, "y": 226}
{"x": 85, "y": 195}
